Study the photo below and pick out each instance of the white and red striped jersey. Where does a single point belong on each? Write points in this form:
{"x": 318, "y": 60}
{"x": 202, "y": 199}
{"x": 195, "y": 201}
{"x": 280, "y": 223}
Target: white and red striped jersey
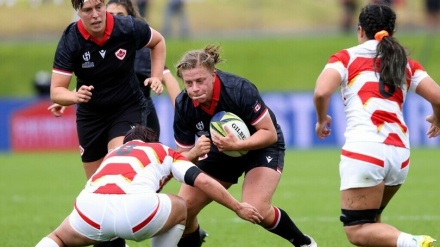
{"x": 138, "y": 167}
{"x": 371, "y": 116}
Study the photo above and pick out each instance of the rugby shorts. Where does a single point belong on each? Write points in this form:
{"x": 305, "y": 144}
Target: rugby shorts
{"x": 229, "y": 169}
{"x": 103, "y": 217}
{"x": 366, "y": 164}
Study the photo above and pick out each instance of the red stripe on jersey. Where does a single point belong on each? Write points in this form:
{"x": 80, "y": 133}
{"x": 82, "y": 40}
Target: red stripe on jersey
{"x": 160, "y": 151}
{"x": 380, "y": 117}
{"x": 360, "y": 64}
{"x": 87, "y": 219}
{"x": 363, "y": 157}
{"x": 176, "y": 155}
{"x": 60, "y": 71}
{"x": 123, "y": 169}
{"x": 371, "y": 90}
{"x": 129, "y": 151}
{"x": 341, "y": 56}
{"x": 260, "y": 117}
{"x": 141, "y": 155}
{"x": 394, "y": 139}
{"x": 405, "y": 164}
{"x": 109, "y": 189}
{"x": 147, "y": 220}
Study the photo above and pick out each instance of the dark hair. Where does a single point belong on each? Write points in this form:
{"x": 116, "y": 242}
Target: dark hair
{"x": 132, "y": 8}
{"x": 207, "y": 57}
{"x": 77, "y": 4}
{"x": 142, "y": 133}
{"x": 393, "y": 57}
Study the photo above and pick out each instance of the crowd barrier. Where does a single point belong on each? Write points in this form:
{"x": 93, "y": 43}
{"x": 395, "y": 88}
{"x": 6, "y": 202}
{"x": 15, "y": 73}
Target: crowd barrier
{"x": 27, "y": 125}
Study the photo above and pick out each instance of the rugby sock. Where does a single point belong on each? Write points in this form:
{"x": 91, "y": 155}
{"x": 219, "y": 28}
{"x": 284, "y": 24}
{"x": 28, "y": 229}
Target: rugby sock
{"x": 47, "y": 242}
{"x": 168, "y": 238}
{"x": 119, "y": 242}
{"x": 406, "y": 240}
{"x": 191, "y": 239}
{"x": 283, "y": 226}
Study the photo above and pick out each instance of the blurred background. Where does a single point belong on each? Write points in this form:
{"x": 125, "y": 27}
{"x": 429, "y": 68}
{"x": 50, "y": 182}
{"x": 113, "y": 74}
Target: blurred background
{"x": 280, "y": 45}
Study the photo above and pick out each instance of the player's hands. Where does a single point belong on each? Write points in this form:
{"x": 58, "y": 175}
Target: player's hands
{"x": 226, "y": 143}
{"x": 57, "y": 109}
{"x": 202, "y": 147}
{"x": 249, "y": 213}
{"x": 434, "y": 129}
{"x": 155, "y": 84}
{"x": 323, "y": 128}
{"x": 83, "y": 94}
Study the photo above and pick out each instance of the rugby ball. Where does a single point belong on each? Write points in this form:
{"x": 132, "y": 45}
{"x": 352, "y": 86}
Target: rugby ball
{"x": 235, "y": 125}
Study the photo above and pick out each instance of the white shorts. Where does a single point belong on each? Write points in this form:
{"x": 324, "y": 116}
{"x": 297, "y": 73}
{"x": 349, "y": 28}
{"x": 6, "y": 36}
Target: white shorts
{"x": 135, "y": 217}
{"x": 366, "y": 164}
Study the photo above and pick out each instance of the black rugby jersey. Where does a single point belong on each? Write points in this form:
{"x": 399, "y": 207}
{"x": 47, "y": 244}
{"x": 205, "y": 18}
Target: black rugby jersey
{"x": 235, "y": 94}
{"x": 142, "y": 67}
{"x": 108, "y": 64}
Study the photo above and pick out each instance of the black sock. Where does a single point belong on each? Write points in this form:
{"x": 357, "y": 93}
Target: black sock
{"x": 119, "y": 242}
{"x": 191, "y": 239}
{"x": 287, "y": 229}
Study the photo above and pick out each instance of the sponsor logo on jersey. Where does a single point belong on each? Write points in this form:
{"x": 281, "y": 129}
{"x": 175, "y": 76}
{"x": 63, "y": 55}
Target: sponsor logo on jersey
{"x": 102, "y": 52}
{"x": 120, "y": 54}
{"x": 87, "y": 64}
{"x": 200, "y": 126}
{"x": 257, "y": 106}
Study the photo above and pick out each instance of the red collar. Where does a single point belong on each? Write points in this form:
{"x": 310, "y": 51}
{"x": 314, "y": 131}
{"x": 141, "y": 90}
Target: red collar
{"x": 215, "y": 97}
{"x": 110, "y": 22}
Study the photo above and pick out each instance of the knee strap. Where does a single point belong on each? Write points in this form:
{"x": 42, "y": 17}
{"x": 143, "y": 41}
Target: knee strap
{"x": 358, "y": 217}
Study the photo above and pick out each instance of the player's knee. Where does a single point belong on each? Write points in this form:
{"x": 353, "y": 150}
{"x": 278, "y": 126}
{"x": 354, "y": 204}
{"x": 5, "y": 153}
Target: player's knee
{"x": 179, "y": 208}
{"x": 353, "y": 221}
{"x": 358, "y": 217}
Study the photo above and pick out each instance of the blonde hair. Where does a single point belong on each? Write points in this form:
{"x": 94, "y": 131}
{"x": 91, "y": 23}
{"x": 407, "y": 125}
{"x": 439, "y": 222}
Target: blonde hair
{"x": 207, "y": 57}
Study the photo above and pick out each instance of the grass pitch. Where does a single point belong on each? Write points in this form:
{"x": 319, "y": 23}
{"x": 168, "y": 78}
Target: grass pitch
{"x": 38, "y": 189}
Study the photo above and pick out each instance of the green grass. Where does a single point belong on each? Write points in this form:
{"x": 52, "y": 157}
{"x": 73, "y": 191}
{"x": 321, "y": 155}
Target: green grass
{"x": 38, "y": 189}
{"x": 273, "y": 64}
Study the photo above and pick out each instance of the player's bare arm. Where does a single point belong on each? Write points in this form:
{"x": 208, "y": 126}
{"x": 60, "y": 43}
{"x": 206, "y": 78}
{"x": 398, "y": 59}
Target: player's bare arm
{"x": 217, "y": 192}
{"x": 201, "y": 147}
{"x": 158, "y": 54}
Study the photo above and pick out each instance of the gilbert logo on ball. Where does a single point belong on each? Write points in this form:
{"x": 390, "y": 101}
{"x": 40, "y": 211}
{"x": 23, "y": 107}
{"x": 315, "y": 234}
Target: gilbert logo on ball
{"x": 235, "y": 125}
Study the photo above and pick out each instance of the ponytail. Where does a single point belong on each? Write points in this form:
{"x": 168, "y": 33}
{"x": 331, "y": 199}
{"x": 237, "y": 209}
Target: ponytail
{"x": 393, "y": 61}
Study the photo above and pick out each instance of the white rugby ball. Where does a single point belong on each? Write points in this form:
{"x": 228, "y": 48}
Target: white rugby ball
{"x": 235, "y": 125}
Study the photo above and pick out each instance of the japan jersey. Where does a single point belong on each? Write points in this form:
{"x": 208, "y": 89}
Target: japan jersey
{"x": 373, "y": 116}
{"x": 232, "y": 94}
{"x": 107, "y": 64}
{"x": 138, "y": 167}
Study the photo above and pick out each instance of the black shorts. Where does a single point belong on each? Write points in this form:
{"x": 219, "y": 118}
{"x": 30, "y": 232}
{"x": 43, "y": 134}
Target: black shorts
{"x": 95, "y": 130}
{"x": 152, "y": 118}
{"x": 433, "y": 6}
{"x": 229, "y": 169}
